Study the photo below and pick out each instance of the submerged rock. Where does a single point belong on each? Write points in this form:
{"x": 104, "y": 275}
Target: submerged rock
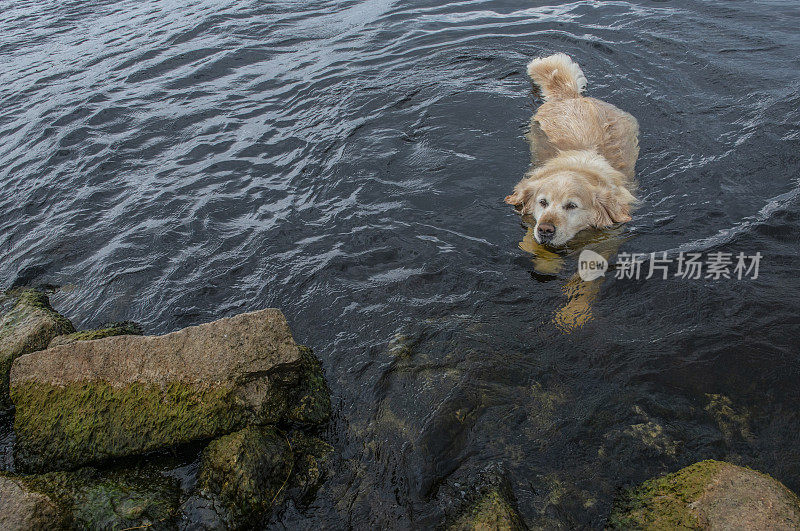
{"x": 91, "y": 499}
{"x": 479, "y": 499}
{"x": 243, "y": 475}
{"x": 22, "y": 508}
{"x": 28, "y": 326}
{"x": 246, "y": 471}
{"x": 733, "y": 422}
{"x": 310, "y": 466}
{"x": 122, "y": 328}
{"x": 708, "y": 495}
{"x": 125, "y": 395}
{"x": 492, "y": 511}
{"x": 314, "y": 404}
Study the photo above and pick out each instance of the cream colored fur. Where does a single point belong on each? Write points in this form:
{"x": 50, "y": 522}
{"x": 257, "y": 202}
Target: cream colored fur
{"x": 585, "y": 150}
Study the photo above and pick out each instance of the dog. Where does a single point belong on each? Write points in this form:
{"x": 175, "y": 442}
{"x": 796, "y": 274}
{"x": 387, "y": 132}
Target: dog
{"x": 585, "y": 150}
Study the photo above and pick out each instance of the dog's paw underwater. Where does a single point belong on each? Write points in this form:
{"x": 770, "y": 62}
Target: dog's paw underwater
{"x": 585, "y": 151}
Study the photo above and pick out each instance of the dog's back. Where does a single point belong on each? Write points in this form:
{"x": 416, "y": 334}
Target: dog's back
{"x": 568, "y": 121}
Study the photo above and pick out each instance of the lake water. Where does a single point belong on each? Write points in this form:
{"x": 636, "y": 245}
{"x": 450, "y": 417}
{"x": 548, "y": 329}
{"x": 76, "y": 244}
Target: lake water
{"x": 176, "y": 162}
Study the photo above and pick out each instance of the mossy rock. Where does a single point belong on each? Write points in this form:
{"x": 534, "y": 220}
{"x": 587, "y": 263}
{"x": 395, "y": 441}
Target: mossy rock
{"x": 481, "y": 500}
{"x": 311, "y": 456}
{"x": 492, "y": 511}
{"x": 708, "y": 495}
{"x": 122, "y": 328}
{"x": 64, "y": 427}
{"x": 244, "y": 475}
{"x": 313, "y": 405}
{"x": 22, "y": 508}
{"x": 117, "y": 499}
{"x": 248, "y": 472}
{"x": 124, "y": 395}
{"x": 28, "y": 326}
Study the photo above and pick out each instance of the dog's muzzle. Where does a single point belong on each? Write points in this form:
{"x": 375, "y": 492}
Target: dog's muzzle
{"x": 546, "y": 232}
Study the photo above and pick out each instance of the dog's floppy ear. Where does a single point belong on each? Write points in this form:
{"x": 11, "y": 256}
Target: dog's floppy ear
{"x": 612, "y": 205}
{"x": 523, "y": 193}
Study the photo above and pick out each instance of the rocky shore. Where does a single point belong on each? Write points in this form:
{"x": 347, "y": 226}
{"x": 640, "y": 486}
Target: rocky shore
{"x": 100, "y": 415}
{"x": 216, "y": 426}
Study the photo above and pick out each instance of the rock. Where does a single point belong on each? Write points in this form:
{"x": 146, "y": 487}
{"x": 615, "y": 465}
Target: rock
{"x": 246, "y": 471}
{"x": 125, "y": 395}
{"x": 118, "y": 499}
{"x": 245, "y": 474}
{"x": 199, "y": 513}
{"x": 708, "y": 495}
{"x": 25, "y": 509}
{"x": 112, "y": 329}
{"x": 310, "y": 466}
{"x": 28, "y": 326}
{"x": 733, "y": 422}
{"x": 480, "y": 499}
{"x": 314, "y": 405}
{"x": 492, "y": 511}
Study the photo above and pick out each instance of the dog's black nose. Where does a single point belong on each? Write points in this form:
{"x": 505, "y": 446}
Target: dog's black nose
{"x": 546, "y": 231}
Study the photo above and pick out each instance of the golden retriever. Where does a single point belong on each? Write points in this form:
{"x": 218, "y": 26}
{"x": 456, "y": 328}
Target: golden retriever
{"x": 586, "y": 150}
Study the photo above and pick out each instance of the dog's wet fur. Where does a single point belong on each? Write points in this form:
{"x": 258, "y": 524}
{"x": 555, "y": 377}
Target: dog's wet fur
{"x": 585, "y": 151}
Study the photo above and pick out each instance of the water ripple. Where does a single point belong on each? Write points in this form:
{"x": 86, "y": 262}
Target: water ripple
{"x": 346, "y": 162}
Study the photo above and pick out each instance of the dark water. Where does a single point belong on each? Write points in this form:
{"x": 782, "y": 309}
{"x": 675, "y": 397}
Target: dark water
{"x": 176, "y": 162}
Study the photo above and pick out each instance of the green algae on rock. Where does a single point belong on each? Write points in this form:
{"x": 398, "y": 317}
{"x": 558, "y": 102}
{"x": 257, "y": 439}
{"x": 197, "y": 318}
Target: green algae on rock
{"x": 246, "y": 471}
{"x": 492, "y": 511}
{"x": 28, "y": 326}
{"x": 733, "y": 422}
{"x": 53, "y": 434}
{"x": 23, "y": 508}
{"x": 116, "y": 499}
{"x": 708, "y": 494}
{"x": 245, "y": 474}
{"x": 125, "y": 395}
{"x": 121, "y": 328}
{"x": 310, "y": 464}
{"x": 479, "y": 499}
{"x": 314, "y": 402}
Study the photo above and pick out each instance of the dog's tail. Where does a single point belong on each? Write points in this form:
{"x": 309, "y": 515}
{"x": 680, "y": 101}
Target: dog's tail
{"x": 558, "y": 77}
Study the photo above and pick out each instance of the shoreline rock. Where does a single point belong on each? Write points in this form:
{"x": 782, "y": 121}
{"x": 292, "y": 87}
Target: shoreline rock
{"x": 27, "y": 327}
{"x": 240, "y": 386}
{"x": 24, "y": 508}
{"x": 480, "y": 499}
{"x": 492, "y": 511}
{"x": 89, "y": 401}
{"x": 122, "y": 328}
{"x": 708, "y": 494}
{"x": 111, "y": 499}
{"x": 244, "y": 475}
{"x": 311, "y": 461}
{"x": 313, "y": 405}
{"x": 246, "y": 471}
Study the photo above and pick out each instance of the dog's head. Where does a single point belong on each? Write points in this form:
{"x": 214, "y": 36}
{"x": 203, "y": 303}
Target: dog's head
{"x": 564, "y": 201}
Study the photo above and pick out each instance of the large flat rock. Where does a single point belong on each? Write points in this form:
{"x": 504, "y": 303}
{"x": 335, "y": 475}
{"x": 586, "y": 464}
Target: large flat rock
{"x": 124, "y": 395}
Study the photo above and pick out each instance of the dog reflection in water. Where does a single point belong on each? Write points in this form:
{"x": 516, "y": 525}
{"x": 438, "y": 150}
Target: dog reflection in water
{"x": 580, "y": 294}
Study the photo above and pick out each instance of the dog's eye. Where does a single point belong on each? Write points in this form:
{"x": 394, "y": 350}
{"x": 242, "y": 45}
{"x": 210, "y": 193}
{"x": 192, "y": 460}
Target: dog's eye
{"x": 543, "y": 202}
{"x": 570, "y": 206}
